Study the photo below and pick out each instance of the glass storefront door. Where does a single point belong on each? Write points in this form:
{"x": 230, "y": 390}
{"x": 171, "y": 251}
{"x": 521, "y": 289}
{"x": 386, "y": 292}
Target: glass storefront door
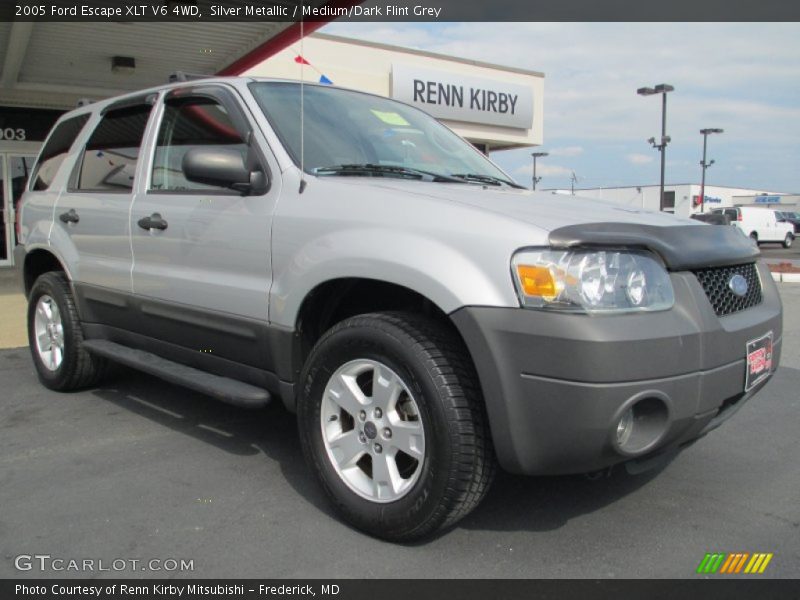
{"x": 14, "y": 171}
{"x": 4, "y": 208}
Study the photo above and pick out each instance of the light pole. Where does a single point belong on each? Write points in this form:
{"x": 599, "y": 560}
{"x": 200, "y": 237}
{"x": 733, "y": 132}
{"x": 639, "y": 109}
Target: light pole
{"x": 705, "y": 165}
{"x": 663, "y": 89}
{"x": 536, "y": 155}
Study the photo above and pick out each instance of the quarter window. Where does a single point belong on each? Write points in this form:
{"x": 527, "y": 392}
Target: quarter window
{"x": 55, "y": 151}
{"x": 110, "y": 158}
{"x": 189, "y": 123}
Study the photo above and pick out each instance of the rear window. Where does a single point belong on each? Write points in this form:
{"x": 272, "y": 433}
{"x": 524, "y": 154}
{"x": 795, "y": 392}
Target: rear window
{"x": 112, "y": 152}
{"x": 55, "y": 151}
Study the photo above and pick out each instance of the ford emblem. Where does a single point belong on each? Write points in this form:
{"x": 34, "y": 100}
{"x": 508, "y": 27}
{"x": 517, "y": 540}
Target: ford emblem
{"x": 738, "y": 285}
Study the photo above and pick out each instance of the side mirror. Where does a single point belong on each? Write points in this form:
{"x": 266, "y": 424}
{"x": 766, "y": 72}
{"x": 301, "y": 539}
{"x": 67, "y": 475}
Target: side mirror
{"x": 222, "y": 167}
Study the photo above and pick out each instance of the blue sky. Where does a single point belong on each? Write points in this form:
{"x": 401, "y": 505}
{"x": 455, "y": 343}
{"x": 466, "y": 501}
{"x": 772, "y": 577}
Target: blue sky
{"x": 741, "y": 77}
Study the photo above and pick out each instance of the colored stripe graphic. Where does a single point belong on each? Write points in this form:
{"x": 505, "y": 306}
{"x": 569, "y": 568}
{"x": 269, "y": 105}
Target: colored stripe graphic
{"x": 731, "y": 561}
{"x": 759, "y": 562}
{"x": 711, "y": 563}
{"x": 734, "y": 562}
{"x": 741, "y": 562}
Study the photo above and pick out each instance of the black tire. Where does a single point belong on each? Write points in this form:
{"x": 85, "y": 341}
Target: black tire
{"x": 754, "y": 237}
{"x": 459, "y": 462}
{"x": 78, "y": 368}
{"x": 787, "y": 242}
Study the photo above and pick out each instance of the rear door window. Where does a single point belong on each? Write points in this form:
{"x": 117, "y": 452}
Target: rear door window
{"x": 112, "y": 152}
{"x": 55, "y": 151}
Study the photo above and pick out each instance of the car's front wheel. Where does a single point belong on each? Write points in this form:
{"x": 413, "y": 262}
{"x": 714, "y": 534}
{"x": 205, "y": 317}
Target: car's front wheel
{"x": 392, "y": 423}
{"x": 788, "y": 240}
{"x": 56, "y": 339}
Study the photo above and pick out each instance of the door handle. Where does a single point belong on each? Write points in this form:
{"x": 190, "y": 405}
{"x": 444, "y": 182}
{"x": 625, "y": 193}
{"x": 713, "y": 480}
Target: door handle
{"x": 154, "y": 221}
{"x": 69, "y": 217}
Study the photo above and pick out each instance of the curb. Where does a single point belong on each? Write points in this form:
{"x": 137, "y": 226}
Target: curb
{"x": 786, "y": 277}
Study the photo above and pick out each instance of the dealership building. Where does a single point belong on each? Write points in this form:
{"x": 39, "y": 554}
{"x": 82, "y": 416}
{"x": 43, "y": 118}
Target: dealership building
{"x": 683, "y": 199}
{"x": 492, "y": 106}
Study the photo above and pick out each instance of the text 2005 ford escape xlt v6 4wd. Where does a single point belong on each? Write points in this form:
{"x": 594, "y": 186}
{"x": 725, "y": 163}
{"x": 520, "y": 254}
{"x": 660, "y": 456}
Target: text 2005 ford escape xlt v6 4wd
{"x": 424, "y": 316}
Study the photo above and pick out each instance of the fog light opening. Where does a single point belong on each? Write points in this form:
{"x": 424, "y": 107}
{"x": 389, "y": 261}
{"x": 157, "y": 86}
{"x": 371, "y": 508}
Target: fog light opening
{"x": 641, "y": 426}
{"x": 625, "y": 427}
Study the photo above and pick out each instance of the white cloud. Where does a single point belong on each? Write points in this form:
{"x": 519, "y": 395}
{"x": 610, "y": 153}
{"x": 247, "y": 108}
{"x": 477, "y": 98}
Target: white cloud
{"x": 639, "y": 159}
{"x": 567, "y": 151}
{"x": 543, "y": 170}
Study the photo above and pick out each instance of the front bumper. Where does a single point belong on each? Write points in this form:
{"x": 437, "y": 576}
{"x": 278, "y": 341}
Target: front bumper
{"x": 556, "y": 384}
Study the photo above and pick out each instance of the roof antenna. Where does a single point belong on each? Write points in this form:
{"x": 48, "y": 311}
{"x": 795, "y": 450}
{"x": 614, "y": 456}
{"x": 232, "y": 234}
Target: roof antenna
{"x": 302, "y": 109}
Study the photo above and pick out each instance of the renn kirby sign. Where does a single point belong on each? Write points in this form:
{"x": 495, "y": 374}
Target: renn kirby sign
{"x": 457, "y": 97}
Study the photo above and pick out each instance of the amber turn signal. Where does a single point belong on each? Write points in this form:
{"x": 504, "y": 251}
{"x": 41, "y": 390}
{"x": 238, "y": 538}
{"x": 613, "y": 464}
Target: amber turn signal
{"x": 537, "y": 281}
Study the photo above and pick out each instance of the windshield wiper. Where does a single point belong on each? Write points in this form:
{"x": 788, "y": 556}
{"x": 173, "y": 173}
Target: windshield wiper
{"x": 370, "y": 169}
{"x": 490, "y": 179}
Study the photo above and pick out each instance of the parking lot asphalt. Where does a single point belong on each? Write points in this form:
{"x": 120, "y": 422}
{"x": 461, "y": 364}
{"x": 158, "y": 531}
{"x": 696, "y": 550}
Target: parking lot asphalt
{"x": 773, "y": 253}
{"x": 140, "y": 469}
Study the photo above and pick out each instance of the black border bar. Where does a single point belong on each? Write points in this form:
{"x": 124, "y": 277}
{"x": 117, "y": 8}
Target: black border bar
{"x": 730, "y": 588}
{"x": 401, "y": 10}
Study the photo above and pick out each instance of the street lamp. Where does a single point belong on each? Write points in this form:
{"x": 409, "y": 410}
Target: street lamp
{"x": 536, "y": 155}
{"x": 705, "y": 165}
{"x": 663, "y": 89}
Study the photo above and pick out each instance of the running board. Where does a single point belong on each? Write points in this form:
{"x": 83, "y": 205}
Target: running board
{"x": 228, "y": 390}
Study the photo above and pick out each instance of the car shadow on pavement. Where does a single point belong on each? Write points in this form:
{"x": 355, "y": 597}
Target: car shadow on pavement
{"x": 271, "y": 431}
{"x": 513, "y": 503}
{"x": 519, "y": 503}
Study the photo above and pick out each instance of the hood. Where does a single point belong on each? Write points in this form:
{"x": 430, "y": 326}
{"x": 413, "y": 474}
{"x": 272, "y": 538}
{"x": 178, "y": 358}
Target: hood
{"x": 574, "y": 221}
{"x": 545, "y": 210}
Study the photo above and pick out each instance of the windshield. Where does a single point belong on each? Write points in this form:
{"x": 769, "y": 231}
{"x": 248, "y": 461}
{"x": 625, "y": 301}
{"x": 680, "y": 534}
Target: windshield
{"x": 343, "y": 127}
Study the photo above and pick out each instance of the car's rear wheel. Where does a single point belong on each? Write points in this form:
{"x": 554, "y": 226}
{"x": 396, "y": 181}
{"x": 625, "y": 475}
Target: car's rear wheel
{"x": 392, "y": 423}
{"x": 788, "y": 240}
{"x": 56, "y": 339}
{"x": 754, "y": 237}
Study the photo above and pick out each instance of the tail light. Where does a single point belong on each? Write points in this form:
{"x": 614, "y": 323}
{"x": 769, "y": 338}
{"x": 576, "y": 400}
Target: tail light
{"x": 738, "y": 215}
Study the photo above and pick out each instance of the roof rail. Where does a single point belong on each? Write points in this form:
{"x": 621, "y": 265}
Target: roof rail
{"x": 181, "y": 76}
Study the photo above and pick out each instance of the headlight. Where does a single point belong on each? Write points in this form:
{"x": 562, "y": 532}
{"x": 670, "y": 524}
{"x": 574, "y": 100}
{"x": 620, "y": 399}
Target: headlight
{"x": 592, "y": 281}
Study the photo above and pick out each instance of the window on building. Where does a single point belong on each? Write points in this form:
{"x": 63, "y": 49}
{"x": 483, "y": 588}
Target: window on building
{"x": 110, "y": 158}
{"x": 55, "y": 151}
{"x": 190, "y": 123}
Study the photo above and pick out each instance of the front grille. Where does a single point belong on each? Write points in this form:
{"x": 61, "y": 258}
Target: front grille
{"x": 715, "y": 283}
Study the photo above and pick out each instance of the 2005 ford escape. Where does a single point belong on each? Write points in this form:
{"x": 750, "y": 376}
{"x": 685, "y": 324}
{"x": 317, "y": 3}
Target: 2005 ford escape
{"x": 424, "y": 316}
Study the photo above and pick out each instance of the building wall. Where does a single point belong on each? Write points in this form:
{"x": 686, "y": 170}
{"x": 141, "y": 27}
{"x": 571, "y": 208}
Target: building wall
{"x": 787, "y": 202}
{"x": 686, "y": 196}
{"x": 368, "y": 67}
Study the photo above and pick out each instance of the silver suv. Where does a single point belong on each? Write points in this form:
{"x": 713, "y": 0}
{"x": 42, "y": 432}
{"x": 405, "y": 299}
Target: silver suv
{"x": 424, "y": 316}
